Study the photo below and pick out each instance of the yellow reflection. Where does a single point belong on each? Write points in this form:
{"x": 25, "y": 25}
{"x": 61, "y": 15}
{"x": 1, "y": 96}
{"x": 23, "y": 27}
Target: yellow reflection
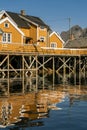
{"x": 33, "y": 106}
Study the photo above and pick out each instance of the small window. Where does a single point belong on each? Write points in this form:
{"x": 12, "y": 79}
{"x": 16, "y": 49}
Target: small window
{"x": 42, "y": 27}
{"x": 42, "y": 39}
{"x": 53, "y": 45}
{"x": 6, "y": 25}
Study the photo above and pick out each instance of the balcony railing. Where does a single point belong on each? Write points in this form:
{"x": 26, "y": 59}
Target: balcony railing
{"x": 34, "y": 48}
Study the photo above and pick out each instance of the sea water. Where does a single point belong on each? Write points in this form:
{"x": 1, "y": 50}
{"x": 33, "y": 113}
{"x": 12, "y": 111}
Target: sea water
{"x": 64, "y": 108}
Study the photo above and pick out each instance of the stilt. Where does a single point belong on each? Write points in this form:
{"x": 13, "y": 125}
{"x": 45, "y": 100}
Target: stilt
{"x": 75, "y": 70}
{"x": 23, "y": 75}
{"x": 36, "y": 74}
{"x": 79, "y": 70}
{"x": 43, "y": 73}
{"x": 53, "y": 72}
{"x": 8, "y": 77}
{"x": 17, "y": 67}
{"x": 64, "y": 71}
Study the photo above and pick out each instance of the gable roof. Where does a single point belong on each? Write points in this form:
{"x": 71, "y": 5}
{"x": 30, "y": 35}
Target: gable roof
{"x": 25, "y": 20}
{"x": 7, "y": 19}
{"x": 36, "y": 20}
{"x": 18, "y": 20}
{"x": 54, "y": 33}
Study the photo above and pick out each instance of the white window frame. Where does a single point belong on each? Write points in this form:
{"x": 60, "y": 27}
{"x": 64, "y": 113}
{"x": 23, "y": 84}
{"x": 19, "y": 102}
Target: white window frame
{"x": 42, "y": 38}
{"x": 53, "y": 45}
{"x": 6, "y": 37}
{"x": 6, "y": 25}
{"x": 42, "y": 28}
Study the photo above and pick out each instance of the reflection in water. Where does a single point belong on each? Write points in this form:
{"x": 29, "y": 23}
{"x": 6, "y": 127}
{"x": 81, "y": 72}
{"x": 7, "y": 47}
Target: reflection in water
{"x": 27, "y": 110}
{"x": 6, "y": 112}
{"x": 37, "y": 80}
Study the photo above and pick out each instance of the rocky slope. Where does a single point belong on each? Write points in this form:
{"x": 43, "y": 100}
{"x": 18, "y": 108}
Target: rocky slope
{"x": 76, "y": 31}
{"x": 76, "y": 37}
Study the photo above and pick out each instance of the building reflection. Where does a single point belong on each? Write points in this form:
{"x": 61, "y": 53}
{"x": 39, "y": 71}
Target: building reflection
{"x": 27, "y": 110}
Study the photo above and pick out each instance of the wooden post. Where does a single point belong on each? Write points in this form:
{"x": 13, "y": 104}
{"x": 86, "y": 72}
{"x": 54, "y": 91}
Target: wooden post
{"x": 22, "y": 73}
{"x": 30, "y": 88}
{"x": 36, "y": 74}
{"x": 53, "y": 72}
{"x": 85, "y": 68}
{"x": 43, "y": 73}
{"x": 75, "y": 70}
{"x": 8, "y": 76}
{"x": 79, "y": 70}
{"x": 64, "y": 71}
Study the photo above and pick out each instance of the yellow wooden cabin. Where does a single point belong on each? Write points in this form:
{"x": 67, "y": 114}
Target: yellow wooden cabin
{"x": 18, "y": 30}
{"x": 55, "y": 40}
{"x": 28, "y": 47}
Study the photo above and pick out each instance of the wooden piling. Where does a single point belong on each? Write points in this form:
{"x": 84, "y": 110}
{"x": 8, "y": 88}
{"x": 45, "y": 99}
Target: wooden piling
{"x": 19, "y": 64}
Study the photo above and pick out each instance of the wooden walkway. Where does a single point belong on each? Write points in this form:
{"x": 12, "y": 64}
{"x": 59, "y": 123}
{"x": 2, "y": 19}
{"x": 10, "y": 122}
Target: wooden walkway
{"x": 36, "y": 49}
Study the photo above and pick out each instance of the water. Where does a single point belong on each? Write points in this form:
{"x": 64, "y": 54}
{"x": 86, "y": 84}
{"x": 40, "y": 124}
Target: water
{"x": 64, "y": 108}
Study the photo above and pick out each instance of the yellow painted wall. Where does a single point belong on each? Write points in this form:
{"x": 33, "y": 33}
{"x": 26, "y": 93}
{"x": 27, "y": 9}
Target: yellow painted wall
{"x": 0, "y": 38}
{"x": 33, "y": 32}
{"x": 16, "y": 36}
{"x": 43, "y": 33}
{"x": 30, "y": 32}
{"x": 25, "y": 31}
{"x": 55, "y": 39}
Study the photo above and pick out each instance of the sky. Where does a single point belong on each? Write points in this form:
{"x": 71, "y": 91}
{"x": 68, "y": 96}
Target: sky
{"x": 60, "y": 15}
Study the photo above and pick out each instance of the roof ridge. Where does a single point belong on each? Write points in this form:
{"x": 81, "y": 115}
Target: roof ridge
{"x": 34, "y": 19}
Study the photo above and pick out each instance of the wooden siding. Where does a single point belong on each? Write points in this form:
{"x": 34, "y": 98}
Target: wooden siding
{"x": 26, "y": 32}
{"x": 20, "y": 31}
{"x": 33, "y": 32}
{"x": 16, "y": 36}
{"x": 55, "y": 39}
{"x": 43, "y": 33}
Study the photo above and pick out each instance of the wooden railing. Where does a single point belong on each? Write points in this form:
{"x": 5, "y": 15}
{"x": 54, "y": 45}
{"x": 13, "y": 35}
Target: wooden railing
{"x": 18, "y": 48}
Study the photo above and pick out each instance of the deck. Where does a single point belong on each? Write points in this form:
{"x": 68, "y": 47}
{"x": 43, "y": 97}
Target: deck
{"x": 36, "y": 49}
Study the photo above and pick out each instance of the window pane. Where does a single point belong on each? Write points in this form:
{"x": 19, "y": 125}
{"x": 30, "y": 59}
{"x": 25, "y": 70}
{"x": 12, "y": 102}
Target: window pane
{"x": 6, "y": 25}
{"x": 53, "y": 45}
{"x": 9, "y": 37}
{"x": 4, "y": 37}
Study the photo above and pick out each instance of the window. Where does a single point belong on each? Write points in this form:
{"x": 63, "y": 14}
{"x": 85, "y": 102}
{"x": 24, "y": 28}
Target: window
{"x": 42, "y": 39}
{"x": 42, "y": 28}
{"x": 53, "y": 45}
{"x": 6, "y": 25}
{"x": 6, "y": 38}
{"x": 9, "y": 37}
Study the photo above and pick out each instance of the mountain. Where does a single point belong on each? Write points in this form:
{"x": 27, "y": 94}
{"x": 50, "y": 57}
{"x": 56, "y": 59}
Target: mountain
{"x": 76, "y": 37}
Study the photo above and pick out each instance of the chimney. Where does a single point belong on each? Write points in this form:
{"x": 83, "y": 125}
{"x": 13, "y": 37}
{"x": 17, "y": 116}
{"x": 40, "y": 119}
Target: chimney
{"x": 23, "y": 12}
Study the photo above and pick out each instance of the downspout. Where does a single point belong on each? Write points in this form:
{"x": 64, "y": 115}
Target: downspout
{"x": 37, "y": 32}
{"x": 22, "y": 39}
{"x": 48, "y": 39}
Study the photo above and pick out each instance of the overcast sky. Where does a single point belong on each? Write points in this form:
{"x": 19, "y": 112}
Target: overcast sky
{"x": 55, "y": 13}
